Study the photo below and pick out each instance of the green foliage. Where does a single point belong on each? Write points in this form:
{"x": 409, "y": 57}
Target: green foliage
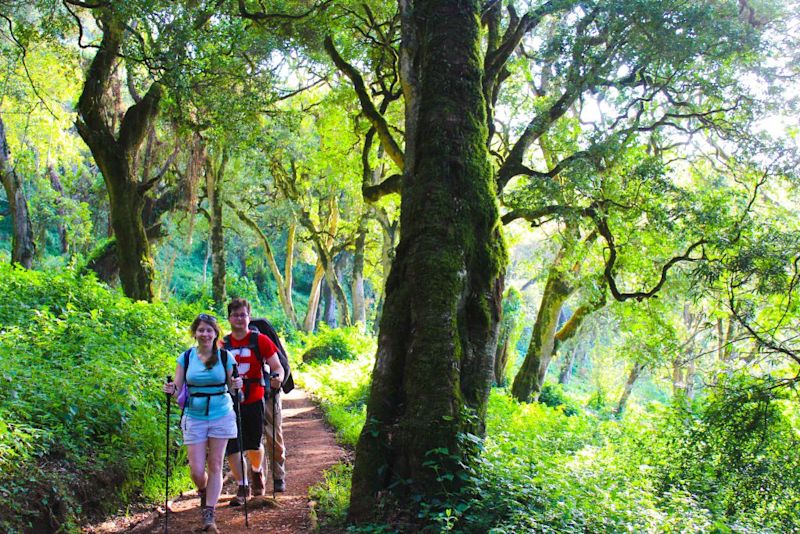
{"x": 336, "y": 344}
{"x": 552, "y": 395}
{"x": 735, "y": 451}
{"x": 81, "y": 368}
{"x": 342, "y": 387}
{"x": 543, "y": 470}
{"x": 333, "y": 495}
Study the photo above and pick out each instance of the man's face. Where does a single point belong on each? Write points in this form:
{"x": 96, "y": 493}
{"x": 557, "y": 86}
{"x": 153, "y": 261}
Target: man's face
{"x": 239, "y": 319}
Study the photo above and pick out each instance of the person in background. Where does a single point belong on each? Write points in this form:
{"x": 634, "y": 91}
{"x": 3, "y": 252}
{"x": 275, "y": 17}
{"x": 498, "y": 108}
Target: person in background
{"x": 208, "y": 419}
{"x": 252, "y": 351}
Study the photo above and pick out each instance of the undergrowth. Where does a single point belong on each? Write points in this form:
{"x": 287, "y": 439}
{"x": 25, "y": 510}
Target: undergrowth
{"x": 81, "y": 367}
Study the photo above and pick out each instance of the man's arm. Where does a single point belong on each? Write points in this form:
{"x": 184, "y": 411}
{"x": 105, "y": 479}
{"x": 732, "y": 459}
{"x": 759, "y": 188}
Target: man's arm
{"x": 275, "y": 367}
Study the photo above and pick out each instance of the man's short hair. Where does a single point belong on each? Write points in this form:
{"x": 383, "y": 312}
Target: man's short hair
{"x": 237, "y": 303}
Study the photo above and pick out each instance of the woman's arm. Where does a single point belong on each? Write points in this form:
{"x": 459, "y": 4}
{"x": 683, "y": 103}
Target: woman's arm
{"x": 173, "y": 388}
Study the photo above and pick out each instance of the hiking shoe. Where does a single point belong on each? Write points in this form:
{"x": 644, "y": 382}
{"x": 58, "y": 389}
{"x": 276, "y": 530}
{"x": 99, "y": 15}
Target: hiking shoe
{"x": 241, "y": 495}
{"x": 202, "y": 494}
{"x": 209, "y": 525}
{"x": 279, "y": 485}
{"x": 257, "y": 481}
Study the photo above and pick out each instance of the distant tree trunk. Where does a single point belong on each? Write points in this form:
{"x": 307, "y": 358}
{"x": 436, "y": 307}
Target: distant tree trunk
{"x": 214, "y": 178}
{"x": 438, "y": 333}
{"x": 115, "y": 156}
{"x": 633, "y": 376}
{"x": 329, "y": 307}
{"x": 725, "y": 339}
{"x": 288, "y": 276}
{"x": 284, "y": 284}
{"x": 530, "y": 378}
{"x": 104, "y": 261}
{"x": 512, "y": 304}
{"x": 501, "y": 357}
{"x": 683, "y": 365}
{"x": 23, "y": 247}
{"x": 565, "y": 375}
{"x": 691, "y": 370}
{"x": 310, "y": 322}
{"x": 325, "y": 255}
{"x": 61, "y": 228}
{"x": 357, "y": 290}
{"x": 335, "y": 286}
{"x": 545, "y": 339}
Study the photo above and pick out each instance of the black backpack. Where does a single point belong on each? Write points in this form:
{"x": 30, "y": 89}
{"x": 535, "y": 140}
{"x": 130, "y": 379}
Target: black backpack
{"x": 264, "y": 326}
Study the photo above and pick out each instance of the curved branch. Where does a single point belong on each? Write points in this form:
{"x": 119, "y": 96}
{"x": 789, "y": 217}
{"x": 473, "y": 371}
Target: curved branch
{"x": 377, "y": 120}
{"x": 393, "y": 184}
{"x": 260, "y": 16}
{"x": 608, "y": 272}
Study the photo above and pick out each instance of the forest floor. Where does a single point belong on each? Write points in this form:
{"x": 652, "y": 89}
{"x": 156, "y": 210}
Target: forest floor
{"x": 310, "y": 449}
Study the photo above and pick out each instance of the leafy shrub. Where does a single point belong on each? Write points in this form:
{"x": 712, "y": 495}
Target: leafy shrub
{"x": 553, "y": 395}
{"x": 81, "y": 367}
{"x": 333, "y": 495}
{"x": 336, "y": 344}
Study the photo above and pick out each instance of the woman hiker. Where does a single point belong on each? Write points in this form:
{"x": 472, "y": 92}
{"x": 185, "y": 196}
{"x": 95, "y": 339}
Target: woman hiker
{"x": 208, "y": 420}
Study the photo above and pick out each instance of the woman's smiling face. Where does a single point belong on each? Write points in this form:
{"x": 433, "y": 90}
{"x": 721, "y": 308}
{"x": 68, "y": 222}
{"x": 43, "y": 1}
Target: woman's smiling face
{"x": 205, "y": 334}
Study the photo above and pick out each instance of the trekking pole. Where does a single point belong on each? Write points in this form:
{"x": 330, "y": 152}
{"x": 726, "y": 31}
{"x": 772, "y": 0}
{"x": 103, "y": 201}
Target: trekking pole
{"x": 274, "y": 393}
{"x": 166, "y": 478}
{"x": 238, "y": 407}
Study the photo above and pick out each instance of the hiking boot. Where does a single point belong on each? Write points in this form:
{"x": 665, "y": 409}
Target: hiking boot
{"x": 257, "y": 481}
{"x": 209, "y": 525}
{"x": 241, "y": 495}
{"x": 279, "y": 485}
{"x": 202, "y": 494}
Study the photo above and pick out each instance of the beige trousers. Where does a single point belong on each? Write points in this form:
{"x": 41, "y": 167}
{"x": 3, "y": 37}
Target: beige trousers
{"x": 275, "y": 464}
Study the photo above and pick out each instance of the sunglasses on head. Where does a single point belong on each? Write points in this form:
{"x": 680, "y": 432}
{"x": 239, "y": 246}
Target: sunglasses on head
{"x": 207, "y": 317}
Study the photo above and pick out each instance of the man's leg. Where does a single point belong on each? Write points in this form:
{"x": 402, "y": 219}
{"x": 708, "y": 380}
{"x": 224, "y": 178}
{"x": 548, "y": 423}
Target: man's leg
{"x": 277, "y": 459}
{"x": 256, "y": 474}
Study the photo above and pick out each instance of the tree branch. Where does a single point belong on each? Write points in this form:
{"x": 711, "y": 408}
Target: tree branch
{"x": 608, "y": 272}
{"x": 376, "y": 119}
{"x": 260, "y": 16}
{"x": 393, "y": 184}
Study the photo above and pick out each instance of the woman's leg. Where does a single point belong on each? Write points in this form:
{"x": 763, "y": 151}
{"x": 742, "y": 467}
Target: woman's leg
{"x": 197, "y": 463}
{"x": 216, "y": 452}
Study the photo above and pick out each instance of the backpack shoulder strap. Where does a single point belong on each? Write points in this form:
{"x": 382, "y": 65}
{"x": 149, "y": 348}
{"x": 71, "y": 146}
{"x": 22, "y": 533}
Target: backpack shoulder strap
{"x": 186, "y": 363}
{"x": 254, "y": 343}
{"x": 226, "y": 342}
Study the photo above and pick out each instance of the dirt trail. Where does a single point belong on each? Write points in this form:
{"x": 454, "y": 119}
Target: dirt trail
{"x": 310, "y": 449}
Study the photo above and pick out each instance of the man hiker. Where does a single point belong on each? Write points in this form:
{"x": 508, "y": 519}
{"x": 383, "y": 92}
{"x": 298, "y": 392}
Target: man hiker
{"x": 252, "y": 351}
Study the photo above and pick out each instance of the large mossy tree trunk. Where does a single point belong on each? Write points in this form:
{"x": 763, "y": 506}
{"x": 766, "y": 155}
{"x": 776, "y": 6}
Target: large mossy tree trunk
{"x": 115, "y": 155}
{"x": 22, "y": 243}
{"x": 439, "y": 326}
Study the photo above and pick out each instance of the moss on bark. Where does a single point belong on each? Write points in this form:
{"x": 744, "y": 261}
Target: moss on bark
{"x": 439, "y": 325}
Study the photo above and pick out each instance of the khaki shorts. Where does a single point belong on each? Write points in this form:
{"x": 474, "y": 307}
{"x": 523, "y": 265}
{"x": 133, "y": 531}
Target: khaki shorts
{"x": 199, "y": 430}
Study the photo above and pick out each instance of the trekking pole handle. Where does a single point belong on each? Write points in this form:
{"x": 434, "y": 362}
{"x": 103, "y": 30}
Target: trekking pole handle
{"x": 169, "y": 380}
{"x": 235, "y": 374}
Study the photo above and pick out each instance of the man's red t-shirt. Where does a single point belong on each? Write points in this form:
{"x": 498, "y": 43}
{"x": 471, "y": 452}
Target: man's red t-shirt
{"x": 250, "y": 365}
